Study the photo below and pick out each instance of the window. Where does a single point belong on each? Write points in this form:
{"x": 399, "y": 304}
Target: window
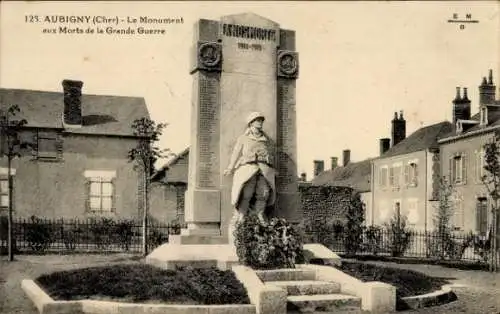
{"x": 458, "y": 168}
{"x": 47, "y": 145}
{"x": 100, "y": 188}
{"x": 383, "y": 211}
{"x": 383, "y": 176}
{"x": 482, "y": 215}
{"x": 181, "y": 190}
{"x": 4, "y": 192}
{"x": 479, "y": 165}
{"x": 411, "y": 174}
{"x": 395, "y": 176}
{"x": 458, "y": 213}
{"x": 4, "y": 188}
{"x": 412, "y": 211}
{"x": 391, "y": 176}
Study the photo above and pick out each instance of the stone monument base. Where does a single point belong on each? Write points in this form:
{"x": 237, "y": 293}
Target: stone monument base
{"x": 197, "y": 239}
{"x": 171, "y": 256}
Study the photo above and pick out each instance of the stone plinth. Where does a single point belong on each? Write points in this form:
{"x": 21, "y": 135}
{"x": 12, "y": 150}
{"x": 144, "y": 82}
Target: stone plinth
{"x": 170, "y": 256}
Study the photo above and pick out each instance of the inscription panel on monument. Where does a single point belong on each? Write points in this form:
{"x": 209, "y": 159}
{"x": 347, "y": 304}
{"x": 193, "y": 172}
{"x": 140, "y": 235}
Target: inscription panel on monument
{"x": 208, "y": 135}
{"x": 249, "y": 44}
{"x": 286, "y": 137}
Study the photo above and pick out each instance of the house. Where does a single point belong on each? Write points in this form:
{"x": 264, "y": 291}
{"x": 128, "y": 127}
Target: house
{"x": 405, "y": 175}
{"x": 355, "y": 175}
{"x": 168, "y": 188}
{"x": 77, "y": 166}
{"x": 462, "y": 156}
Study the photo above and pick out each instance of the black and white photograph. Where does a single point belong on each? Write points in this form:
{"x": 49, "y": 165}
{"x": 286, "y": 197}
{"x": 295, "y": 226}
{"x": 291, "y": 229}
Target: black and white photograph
{"x": 251, "y": 157}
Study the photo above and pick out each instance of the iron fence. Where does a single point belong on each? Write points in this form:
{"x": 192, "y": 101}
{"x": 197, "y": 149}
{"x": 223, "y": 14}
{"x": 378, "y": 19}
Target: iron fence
{"x": 38, "y": 235}
{"x": 454, "y": 246}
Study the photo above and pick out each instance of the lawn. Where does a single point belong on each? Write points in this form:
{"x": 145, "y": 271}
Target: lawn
{"x": 145, "y": 283}
{"x": 407, "y": 282}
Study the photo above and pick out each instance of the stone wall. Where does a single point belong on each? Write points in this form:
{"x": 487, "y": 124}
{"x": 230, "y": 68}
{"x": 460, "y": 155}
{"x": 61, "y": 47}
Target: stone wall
{"x": 325, "y": 203}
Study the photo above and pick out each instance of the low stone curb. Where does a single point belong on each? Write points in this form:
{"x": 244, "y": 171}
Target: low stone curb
{"x": 443, "y": 296}
{"x": 46, "y": 305}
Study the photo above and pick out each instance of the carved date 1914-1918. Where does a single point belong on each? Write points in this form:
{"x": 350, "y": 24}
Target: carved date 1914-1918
{"x": 250, "y": 46}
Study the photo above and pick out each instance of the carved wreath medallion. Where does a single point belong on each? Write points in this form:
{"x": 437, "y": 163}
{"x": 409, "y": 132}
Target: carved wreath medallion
{"x": 209, "y": 54}
{"x": 288, "y": 63}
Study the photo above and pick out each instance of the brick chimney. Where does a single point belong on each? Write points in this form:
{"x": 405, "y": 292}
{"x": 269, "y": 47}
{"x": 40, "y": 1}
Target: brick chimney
{"x": 346, "y": 154}
{"x": 487, "y": 90}
{"x": 334, "y": 162}
{"x": 72, "y": 116}
{"x": 385, "y": 144}
{"x": 319, "y": 167}
{"x": 398, "y": 128}
{"x": 461, "y": 106}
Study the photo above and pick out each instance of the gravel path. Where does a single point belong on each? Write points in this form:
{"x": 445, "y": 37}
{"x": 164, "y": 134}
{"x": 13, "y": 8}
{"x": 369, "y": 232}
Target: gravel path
{"x": 481, "y": 296}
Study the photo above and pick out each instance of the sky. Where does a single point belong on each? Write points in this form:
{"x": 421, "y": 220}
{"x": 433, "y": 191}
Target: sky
{"x": 359, "y": 62}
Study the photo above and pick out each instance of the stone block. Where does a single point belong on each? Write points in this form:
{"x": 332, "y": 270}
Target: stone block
{"x": 286, "y": 274}
{"x": 378, "y": 297}
{"x": 319, "y": 251}
{"x": 168, "y": 255}
{"x": 272, "y": 299}
{"x": 196, "y": 239}
{"x": 266, "y": 298}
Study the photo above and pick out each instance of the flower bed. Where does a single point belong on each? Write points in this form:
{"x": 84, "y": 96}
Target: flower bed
{"x": 146, "y": 284}
{"x": 407, "y": 282}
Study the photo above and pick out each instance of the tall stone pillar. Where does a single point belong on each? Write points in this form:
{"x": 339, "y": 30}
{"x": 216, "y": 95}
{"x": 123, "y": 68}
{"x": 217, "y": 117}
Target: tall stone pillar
{"x": 202, "y": 211}
{"x": 242, "y": 63}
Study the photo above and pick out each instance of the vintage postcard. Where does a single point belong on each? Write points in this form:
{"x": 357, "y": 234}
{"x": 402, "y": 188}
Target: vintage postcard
{"x": 249, "y": 157}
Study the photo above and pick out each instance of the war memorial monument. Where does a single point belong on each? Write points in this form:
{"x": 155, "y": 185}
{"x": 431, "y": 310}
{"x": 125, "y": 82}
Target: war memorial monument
{"x": 244, "y": 69}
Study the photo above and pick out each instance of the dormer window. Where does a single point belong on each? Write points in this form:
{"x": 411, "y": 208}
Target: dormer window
{"x": 483, "y": 116}
{"x": 460, "y": 127}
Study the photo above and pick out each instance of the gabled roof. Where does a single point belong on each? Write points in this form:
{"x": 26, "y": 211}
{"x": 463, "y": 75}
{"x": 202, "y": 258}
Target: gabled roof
{"x": 493, "y": 121}
{"x": 355, "y": 175}
{"x": 422, "y": 139}
{"x": 104, "y": 115}
{"x": 161, "y": 172}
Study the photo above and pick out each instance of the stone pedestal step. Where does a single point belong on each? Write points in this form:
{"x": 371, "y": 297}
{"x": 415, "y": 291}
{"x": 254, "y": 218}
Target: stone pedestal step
{"x": 324, "y": 302}
{"x": 307, "y": 287}
{"x": 286, "y": 274}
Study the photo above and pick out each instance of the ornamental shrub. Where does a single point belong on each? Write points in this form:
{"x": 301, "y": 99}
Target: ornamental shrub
{"x": 373, "y": 239}
{"x": 400, "y": 235}
{"x": 39, "y": 234}
{"x": 268, "y": 245}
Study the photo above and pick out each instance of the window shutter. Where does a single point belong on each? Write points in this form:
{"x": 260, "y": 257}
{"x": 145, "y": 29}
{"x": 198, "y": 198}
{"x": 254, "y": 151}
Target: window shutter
{"x": 450, "y": 170}
{"x": 482, "y": 163}
{"x": 484, "y": 220}
{"x": 478, "y": 215}
{"x": 13, "y": 193}
{"x": 59, "y": 146}
{"x": 113, "y": 195}
{"x": 407, "y": 174}
{"x": 415, "y": 173}
{"x": 34, "y": 148}
{"x": 464, "y": 168}
{"x": 87, "y": 194}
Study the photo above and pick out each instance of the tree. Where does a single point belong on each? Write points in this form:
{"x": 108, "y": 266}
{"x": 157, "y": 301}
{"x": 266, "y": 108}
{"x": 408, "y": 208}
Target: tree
{"x": 491, "y": 180}
{"x": 144, "y": 155}
{"x": 399, "y": 234}
{"x": 438, "y": 241}
{"x": 11, "y": 147}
